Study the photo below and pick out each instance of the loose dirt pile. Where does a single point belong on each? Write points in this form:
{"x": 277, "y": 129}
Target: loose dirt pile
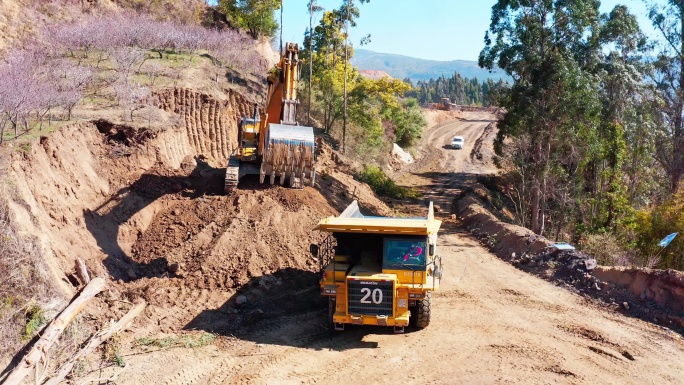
{"x": 146, "y": 209}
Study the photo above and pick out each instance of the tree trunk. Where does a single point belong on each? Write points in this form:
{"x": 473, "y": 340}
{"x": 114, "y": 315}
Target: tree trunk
{"x": 537, "y": 173}
{"x": 53, "y": 331}
{"x": 96, "y": 341}
{"x": 678, "y": 139}
{"x": 346, "y": 59}
{"x": 535, "y": 205}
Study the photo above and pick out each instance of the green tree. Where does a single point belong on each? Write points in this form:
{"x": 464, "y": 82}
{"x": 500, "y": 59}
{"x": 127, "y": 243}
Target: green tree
{"x": 540, "y": 44}
{"x": 373, "y": 107}
{"x": 578, "y": 84}
{"x": 254, "y": 16}
{"x": 669, "y": 80}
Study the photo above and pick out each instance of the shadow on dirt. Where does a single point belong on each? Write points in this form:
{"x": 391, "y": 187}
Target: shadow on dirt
{"x": 479, "y": 120}
{"x": 105, "y": 222}
{"x": 284, "y": 308}
{"x": 441, "y": 188}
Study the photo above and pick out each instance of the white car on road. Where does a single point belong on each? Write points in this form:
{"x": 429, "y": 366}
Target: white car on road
{"x": 457, "y": 142}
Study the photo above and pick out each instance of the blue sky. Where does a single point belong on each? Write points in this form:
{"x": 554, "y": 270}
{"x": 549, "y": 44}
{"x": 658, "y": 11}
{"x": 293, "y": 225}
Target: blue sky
{"x": 436, "y": 29}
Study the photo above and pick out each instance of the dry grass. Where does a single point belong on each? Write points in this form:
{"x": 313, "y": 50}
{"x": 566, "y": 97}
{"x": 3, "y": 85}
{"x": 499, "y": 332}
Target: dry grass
{"x": 607, "y": 250}
{"x": 24, "y": 287}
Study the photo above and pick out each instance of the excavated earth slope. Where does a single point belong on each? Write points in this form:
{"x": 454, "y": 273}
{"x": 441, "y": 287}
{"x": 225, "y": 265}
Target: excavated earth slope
{"x": 146, "y": 209}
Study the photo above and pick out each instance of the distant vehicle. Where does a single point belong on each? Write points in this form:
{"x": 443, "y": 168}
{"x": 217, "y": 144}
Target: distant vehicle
{"x": 457, "y": 142}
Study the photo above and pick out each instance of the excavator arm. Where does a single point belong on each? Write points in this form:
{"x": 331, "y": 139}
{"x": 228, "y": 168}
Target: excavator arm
{"x": 285, "y": 149}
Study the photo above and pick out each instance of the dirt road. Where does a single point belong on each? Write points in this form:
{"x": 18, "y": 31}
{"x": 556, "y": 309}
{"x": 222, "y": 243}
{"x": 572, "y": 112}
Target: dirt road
{"x": 491, "y": 323}
{"x": 442, "y": 172}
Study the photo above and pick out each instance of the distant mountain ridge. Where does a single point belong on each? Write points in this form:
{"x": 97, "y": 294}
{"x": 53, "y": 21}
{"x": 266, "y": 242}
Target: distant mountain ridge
{"x": 400, "y": 66}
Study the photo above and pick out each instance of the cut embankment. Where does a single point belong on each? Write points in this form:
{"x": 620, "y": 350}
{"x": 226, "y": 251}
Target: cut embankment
{"x": 653, "y": 295}
{"x": 146, "y": 209}
{"x": 61, "y": 187}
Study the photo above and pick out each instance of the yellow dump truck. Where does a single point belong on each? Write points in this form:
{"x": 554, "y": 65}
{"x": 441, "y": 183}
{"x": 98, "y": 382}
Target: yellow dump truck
{"x": 379, "y": 270}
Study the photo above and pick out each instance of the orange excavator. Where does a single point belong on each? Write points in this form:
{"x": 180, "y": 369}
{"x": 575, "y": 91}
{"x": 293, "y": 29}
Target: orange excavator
{"x": 272, "y": 144}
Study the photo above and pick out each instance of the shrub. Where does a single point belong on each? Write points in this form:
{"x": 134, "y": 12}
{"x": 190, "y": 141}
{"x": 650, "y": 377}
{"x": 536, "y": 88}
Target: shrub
{"x": 654, "y": 224}
{"x": 35, "y": 319}
{"x": 383, "y": 185}
{"x": 606, "y": 249}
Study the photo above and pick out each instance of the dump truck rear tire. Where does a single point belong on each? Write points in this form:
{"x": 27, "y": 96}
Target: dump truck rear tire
{"x": 423, "y": 311}
{"x": 331, "y": 312}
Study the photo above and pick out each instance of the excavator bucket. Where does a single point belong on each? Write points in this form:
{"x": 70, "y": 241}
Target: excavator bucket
{"x": 274, "y": 139}
{"x": 289, "y": 155}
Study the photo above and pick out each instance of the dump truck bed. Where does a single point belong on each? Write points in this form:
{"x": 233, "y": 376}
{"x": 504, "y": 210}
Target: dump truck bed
{"x": 351, "y": 220}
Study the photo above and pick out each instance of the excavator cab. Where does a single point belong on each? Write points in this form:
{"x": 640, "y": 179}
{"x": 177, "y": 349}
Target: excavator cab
{"x": 249, "y": 137}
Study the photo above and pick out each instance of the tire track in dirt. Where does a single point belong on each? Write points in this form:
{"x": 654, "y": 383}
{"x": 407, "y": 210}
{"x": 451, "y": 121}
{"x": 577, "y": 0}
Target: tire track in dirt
{"x": 444, "y": 172}
{"x": 491, "y": 324}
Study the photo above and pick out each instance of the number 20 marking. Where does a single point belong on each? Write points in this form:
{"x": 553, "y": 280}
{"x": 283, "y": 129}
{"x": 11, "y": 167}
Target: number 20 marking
{"x": 376, "y": 295}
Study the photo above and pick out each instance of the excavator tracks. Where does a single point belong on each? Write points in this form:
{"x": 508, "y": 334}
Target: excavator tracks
{"x": 232, "y": 174}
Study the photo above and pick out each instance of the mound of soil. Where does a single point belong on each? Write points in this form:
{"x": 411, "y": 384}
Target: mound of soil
{"x": 147, "y": 210}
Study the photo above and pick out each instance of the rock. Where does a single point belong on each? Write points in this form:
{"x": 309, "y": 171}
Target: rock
{"x": 240, "y": 300}
{"x": 401, "y": 155}
{"x": 590, "y": 264}
{"x": 259, "y": 311}
{"x": 437, "y": 208}
{"x": 175, "y": 212}
{"x": 596, "y": 286}
{"x": 625, "y": 305}
{"x": 173, "y": 268}
{"x": 512, "y": 255}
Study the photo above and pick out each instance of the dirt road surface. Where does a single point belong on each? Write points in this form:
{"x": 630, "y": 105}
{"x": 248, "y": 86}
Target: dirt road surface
{"x": 491, "y": 323}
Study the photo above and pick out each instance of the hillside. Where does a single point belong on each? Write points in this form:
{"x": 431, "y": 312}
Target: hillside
{"x": 401, "y": 67}
{"x": 119, "y": 170}
{"x": 21, "y": 19}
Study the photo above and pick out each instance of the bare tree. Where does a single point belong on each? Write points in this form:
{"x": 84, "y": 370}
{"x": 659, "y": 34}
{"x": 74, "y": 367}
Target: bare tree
{"x": 154, "y": 70}
{"x": 131, "y": 96}
{"x": 127, "y": 59}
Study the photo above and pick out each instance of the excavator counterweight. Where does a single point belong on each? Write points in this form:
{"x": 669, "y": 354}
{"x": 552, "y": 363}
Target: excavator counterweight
{"x": 272, "y": 143}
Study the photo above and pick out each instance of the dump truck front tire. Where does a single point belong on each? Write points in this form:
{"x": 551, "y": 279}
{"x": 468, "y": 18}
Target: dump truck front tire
{"x": 423, "y": 311}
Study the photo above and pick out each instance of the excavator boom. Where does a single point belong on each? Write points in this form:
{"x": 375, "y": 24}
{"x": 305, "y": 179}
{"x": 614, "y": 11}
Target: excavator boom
{"x": 273, "y": 144}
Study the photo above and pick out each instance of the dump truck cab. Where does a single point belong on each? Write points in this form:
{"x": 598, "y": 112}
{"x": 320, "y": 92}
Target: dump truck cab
{"x": 379, "y": 270}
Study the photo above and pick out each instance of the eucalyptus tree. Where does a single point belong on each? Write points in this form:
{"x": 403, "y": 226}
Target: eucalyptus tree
{"x": 669, "y": 79}
{"x": 543, "y": 45}
{"x": 576, "y": 81}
